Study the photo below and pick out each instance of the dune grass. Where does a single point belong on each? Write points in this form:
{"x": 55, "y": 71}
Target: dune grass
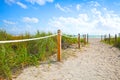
{"x": 117, "y": 43}
{"x": 22, "y": 54}
{"x": 67, "y": 41}
{"x": 16, "y": 56}
{"x": 112, "y": 42}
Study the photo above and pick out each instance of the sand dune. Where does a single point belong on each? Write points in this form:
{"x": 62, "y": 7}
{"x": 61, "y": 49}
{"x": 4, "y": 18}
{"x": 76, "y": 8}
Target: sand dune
{"x": 97, "y": 61}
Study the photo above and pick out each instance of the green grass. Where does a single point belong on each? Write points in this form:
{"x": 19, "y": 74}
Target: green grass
{"x": 118, "y": 43}
{"x": 112, "y": 42}
{"x": 67, "y": 41}
{"x": 16, "y": 56}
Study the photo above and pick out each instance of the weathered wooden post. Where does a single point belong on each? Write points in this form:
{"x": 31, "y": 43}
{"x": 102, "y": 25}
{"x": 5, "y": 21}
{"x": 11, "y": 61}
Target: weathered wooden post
{"x": 78, "y": 40}
{"x": 101, "y": 37}
{"x": 115, "y": 39}
{"x": 104, "y": 37}
{"x": 109, "y": 38}
{"x": 87, "y": 39}
{"x": 59, "y": 45}
{"x": 119, "y": 34}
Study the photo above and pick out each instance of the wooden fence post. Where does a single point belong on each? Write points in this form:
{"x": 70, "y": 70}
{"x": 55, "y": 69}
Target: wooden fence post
{"x": 59, "y": 45}
{"x": 78, "y": 40}
{"x": 109, "y": 38}
{"x": 115, "y": 39}
{"x": 87, "y": 39}
{"x": 104, "y": 37}
{"x": 101, "y": 37}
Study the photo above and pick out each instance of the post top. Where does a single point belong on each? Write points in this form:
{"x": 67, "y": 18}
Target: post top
{"x": 58, "y": 29}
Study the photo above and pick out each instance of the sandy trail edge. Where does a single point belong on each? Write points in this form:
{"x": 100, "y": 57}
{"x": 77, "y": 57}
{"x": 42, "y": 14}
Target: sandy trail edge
{"x": 98, "y": 61}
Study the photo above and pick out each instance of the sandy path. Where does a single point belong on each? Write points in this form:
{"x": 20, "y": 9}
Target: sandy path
{"x": 98, "y": 61}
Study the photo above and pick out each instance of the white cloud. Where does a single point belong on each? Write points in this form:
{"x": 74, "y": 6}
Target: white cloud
{"x": 30, "y": 20}
{"x": 40, "y": 2}
{"x": 71, "y": 24}
{"x": 64, "y": 9}
{"x": 78, "y": 6}
{"x": 97, "y": 23}
{"x": 59, "y": 7}
{"x": 9, "y": 1}
{"x": 94, "y": 3}
{"x": 8, "y": 22}
{"x": 109, "y": 19}
{"x": 21, "y": 5}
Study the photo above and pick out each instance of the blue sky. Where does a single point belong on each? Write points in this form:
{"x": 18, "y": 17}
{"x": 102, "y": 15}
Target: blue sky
{"x": 71, "y": 16}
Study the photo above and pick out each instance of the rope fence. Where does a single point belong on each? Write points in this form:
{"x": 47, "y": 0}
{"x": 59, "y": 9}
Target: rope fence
{"x": 59, "y": 36}
{"x": 24, "y": 40}
{"x": 68, "y": 36}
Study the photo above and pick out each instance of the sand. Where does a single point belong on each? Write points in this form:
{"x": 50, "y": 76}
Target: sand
{"x": 97, "y": 61}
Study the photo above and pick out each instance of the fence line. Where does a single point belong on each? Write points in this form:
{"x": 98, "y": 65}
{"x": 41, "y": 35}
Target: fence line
{"x": 108, "y": 38}
{"x": 87, "y": 38}
{"x": 115, "y": 38}
{"x": 84, "y": 37}
{"x": 78, "y": 40}
{"x": 24, "y": 40}
{"x": 68, "y": 36}
{"x": 59, "y": 35}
